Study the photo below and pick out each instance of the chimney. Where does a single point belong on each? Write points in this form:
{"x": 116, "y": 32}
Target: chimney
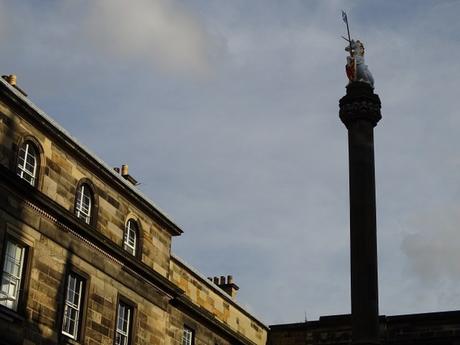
{"x": 11, "y": 79}
{"x": 125, "y": 174}
{"x": 227, "y": 284}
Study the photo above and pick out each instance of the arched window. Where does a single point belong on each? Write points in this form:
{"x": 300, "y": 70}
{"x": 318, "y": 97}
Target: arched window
{"x": 27, "y": 168}
{"x": 84, "y": 203}
{"x": 130, "y": 242}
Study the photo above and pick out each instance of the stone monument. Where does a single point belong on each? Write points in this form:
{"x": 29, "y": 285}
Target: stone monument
{"x": 360, "y": 113}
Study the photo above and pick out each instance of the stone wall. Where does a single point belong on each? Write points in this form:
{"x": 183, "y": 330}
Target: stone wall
{"x": 54, "y": 252}
{"x": 208, "y": 296}
{"x": 60, "y": 173}
{"x": 202, "y": 335}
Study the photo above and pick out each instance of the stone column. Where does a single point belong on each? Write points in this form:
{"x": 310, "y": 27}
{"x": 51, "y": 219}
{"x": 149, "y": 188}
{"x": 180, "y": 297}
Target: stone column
{"x": 360, "y": 112}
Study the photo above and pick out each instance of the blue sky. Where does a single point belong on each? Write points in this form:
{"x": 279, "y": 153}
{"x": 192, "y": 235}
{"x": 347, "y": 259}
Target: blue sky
{"x": 227, "y": 113}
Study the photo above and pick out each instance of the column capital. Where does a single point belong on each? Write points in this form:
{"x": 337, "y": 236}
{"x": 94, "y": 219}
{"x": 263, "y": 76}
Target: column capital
{"x": 360, "y": 103}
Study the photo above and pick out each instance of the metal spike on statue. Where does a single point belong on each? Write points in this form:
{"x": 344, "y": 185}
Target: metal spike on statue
{"x": 355, "y": 68}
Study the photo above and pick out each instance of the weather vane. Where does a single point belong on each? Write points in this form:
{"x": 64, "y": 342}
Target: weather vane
{"x": 356, "y": 68}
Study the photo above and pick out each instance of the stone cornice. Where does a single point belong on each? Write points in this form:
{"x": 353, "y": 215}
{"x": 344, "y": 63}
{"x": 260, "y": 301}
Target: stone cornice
{"x": 66, "y": 220}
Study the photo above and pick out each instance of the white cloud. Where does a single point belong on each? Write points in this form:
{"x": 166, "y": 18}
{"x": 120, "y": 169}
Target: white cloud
{"x": 161, "y": 32}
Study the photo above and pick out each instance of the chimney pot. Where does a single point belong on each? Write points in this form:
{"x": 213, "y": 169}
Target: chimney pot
{"x": 227, "y": 285}
{"x": 124, "y": 169}
{"x": 11, "y": 79}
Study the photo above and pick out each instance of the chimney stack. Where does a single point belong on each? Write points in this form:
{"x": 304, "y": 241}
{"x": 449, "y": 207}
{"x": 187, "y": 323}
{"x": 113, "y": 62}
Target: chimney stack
{"x": 124, "y": 172}
{"x": 227, "y": 284}
{"x": 12, "y": 79}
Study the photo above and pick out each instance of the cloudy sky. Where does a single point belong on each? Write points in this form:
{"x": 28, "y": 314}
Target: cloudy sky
{"x": 227, "y": 112}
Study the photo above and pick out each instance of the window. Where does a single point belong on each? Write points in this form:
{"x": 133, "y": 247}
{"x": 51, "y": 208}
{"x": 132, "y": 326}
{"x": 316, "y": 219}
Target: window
{"x": 28, "y": 163}
{"x": 131, "y": 237}
{"x": 187, "y": 337}
{"x": 73, "y": 305}
{"x": 124, "y": 321}
{"x": 13, "y": 267}
{"x": 84, "y": 203}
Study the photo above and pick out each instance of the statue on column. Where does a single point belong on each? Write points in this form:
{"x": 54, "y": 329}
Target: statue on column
{"x": 356, "y": 68}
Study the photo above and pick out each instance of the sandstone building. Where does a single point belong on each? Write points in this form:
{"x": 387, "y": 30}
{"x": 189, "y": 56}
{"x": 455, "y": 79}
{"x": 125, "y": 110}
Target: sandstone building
{"x": 86, "y": 258}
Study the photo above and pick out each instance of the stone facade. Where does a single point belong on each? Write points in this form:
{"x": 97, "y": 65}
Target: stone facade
{"x": 208, "y": 296}
{"x": 165, "y": 298}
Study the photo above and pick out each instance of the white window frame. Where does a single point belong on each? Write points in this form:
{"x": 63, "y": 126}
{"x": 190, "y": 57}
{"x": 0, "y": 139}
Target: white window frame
{"x": 25, "y": 170}
{"x": 123, "y": 325}
{"x": 187, "y": 336}
{"x": 82, "y": 208}
{"x": 131, "y": 237}
{"x": 75, "y": 285}
{"x": 11, "y": 279}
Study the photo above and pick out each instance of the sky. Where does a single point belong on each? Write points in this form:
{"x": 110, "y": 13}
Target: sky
{"x": 227, "y": 113}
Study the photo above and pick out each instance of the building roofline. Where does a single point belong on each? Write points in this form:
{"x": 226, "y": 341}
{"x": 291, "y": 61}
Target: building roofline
{"x": 216, "y": 289}
{"x": 430, "y": 316}
{"x": 345, "y": 319}
{"x": 185, "y": 302}
{"x": 73, "y": 143}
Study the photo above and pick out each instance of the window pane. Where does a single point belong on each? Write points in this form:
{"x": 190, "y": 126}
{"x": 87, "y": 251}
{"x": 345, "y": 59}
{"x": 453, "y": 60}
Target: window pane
{"x": 69, "y": 321}
{"x": 73, "y": 292}
{"x": 130, "y": 242}
{"x": 124, "y": 315}
{"x": 12, "y": 275}
{"x": 121, "y": 339}
{"x": 187, "y": 337}
{"x": 27, "y": 163}
{"x": 83, "y": 203}
{"x": 121, "y": 312}
{"x": 72, "y": 307}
